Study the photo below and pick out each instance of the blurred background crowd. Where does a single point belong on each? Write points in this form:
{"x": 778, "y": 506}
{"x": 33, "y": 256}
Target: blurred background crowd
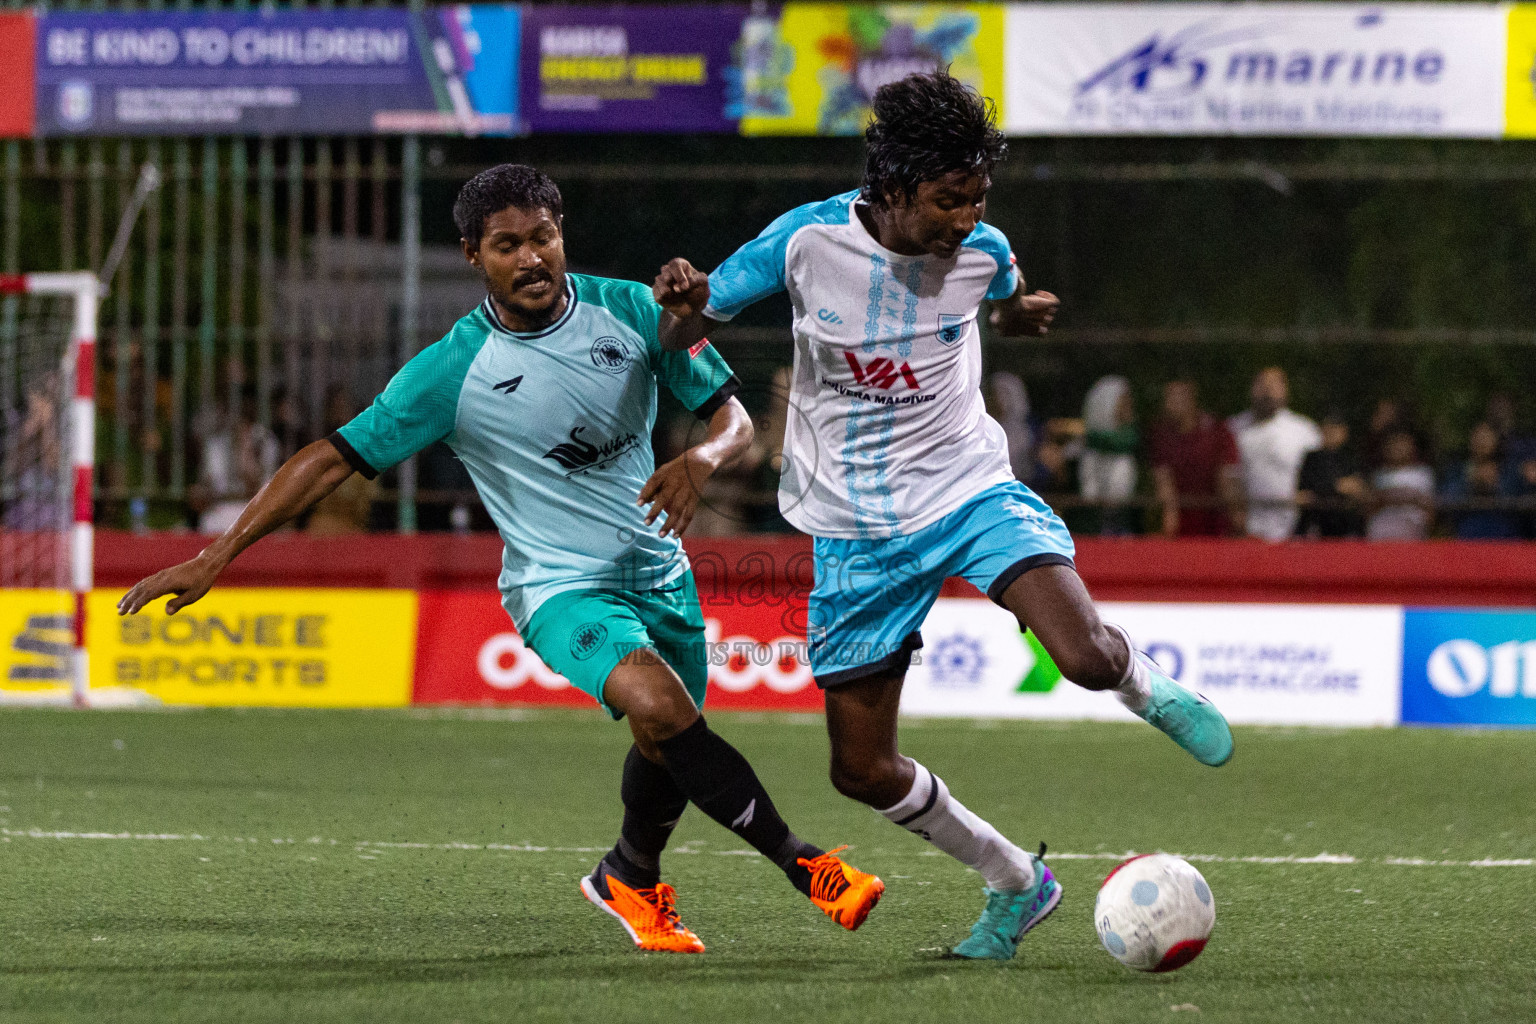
{"x": 1122, "y": 466}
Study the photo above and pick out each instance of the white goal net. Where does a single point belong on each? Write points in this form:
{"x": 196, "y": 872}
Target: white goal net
{"x": 47, "y": 427}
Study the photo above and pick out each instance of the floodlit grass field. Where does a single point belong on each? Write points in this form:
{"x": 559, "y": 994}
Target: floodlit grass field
{"x": 420, "y": 866}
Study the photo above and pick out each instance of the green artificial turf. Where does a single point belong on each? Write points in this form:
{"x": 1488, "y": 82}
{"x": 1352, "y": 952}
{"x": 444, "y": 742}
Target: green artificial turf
{"x": 282, "y": 900}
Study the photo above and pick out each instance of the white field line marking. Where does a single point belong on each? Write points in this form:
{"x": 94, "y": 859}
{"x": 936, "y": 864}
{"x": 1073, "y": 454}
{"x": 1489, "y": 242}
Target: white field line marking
{"x": 687, "y": 849}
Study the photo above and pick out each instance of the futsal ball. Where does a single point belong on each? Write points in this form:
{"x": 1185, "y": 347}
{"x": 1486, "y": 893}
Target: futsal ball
{"x": 1154, "y": 912}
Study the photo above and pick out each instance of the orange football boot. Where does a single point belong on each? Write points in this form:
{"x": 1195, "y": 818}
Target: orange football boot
{"x": 845, "y": 893}
{"x": 648, "y": 915}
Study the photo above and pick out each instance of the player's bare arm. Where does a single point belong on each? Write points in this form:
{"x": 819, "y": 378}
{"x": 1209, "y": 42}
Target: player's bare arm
{"x": 674, "y": 488}
{"x": 314, "y": 472}
{"x": 683, "y": 292}
{"x": 1024, "y": 315}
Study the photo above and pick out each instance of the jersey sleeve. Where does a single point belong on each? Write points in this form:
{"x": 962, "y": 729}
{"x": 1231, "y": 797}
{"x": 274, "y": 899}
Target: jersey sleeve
{"x": 699, "y": 377}
{"x": 756, "y": 270}
{"x": 418, "y": 407}
{"x": 995, "y": 244}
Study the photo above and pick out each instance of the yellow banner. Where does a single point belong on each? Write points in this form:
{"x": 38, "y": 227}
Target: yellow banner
{"x": 816, "y": 70}
{"x": 36, "y": 635}
{"x": 1520, "y": 73}
{"x": 256, "y": 647}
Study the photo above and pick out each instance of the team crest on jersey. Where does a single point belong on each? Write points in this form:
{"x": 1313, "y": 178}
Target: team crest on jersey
{"x": 951, "y": 327}
{"x": 586, "y": 640}
{"x": 610, "y": 354}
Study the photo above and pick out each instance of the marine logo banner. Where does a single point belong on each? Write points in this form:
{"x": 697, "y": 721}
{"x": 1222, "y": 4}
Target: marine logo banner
{"x": 1409, "y": 69}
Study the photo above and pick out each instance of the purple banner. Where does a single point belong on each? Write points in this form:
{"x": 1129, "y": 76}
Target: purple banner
{"x": 630, "y": 69}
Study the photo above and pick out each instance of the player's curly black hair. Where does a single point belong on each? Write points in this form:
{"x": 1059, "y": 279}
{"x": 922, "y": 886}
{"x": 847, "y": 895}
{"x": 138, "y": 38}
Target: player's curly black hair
{"x": 924, "y": 127}
{"x": 496, "y": 188}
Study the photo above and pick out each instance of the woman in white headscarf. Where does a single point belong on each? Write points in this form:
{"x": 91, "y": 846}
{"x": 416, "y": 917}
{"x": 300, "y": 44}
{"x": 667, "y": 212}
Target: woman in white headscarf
{"x": 1107, "y": 470}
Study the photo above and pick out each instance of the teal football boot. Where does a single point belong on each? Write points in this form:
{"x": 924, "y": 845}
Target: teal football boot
{"x": 1187, "y": 718}
{"x": 1010, "y": 914}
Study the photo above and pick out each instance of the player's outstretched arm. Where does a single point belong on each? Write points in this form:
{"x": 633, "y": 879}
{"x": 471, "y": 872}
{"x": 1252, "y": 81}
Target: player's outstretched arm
{"x": 683, "y": 292}
{"x": 317, "y": 470}
{"x": 1024, "y": 315}
{"x": 674, "y": 488}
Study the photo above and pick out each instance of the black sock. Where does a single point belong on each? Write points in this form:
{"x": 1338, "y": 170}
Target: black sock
{"x": 652, "y": 806}
{"x": 723, "y": 785}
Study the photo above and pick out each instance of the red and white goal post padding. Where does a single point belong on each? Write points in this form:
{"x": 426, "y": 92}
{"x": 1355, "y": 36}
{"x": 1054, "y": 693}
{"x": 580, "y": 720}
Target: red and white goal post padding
{"x": 79, "y": 371}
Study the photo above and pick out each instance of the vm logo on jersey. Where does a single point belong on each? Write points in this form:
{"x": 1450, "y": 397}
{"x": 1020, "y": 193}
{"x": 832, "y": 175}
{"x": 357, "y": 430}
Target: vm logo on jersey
{"x": 828, "y": 316}
{"x": 881, "y": 372}
{"x": 506, "y": 387}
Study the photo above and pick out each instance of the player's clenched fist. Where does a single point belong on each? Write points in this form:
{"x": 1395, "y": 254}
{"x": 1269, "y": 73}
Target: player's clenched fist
{"x": 680, "y": 289}
{"x": 1025, "y": 314}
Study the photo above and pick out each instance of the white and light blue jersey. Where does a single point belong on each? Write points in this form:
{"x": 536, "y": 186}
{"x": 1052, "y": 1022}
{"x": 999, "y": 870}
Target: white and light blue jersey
{"x": 888, "y": 431}
{"x": 554, "y": 427}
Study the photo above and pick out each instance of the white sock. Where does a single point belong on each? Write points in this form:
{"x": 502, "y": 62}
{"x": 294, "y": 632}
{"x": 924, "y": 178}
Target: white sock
{"x": 932, "y": 813}
{"x": 1135, "y": 687}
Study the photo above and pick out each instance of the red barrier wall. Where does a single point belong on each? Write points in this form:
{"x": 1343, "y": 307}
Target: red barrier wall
{"x": 1431, "y": 573}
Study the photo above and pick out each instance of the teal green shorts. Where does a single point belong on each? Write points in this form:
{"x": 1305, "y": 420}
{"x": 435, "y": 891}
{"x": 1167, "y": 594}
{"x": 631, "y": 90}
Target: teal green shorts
{"x": 583, "y": 634}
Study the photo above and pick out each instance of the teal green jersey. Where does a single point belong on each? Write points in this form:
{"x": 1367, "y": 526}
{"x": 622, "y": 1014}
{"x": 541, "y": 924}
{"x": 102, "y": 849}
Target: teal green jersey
{"x": 554, "y": 427}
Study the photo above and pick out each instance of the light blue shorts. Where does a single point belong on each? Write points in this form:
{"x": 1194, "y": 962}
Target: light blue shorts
{"x": 871, "y": 596}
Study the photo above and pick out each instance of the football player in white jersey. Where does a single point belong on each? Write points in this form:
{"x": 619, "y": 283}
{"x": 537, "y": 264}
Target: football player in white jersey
{"x": 894, "y": 467}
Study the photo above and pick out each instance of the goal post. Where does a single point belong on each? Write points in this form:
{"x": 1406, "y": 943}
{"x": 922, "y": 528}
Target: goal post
{"x": 47, "y": 399}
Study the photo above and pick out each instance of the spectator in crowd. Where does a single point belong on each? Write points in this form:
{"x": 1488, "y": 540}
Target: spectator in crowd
{"x": 236, "y": 461}
{"x": 1387, "y": 416}
{"x": 1485, "y": 474}
{"x": 1194, "y": 465}
{"x": 1330, "y": 487}
{"x": 346, "y": 510}
{"x": 1402, "y": 491}
{"x": 1010, "y": 407}
{"x": 1519, "y": 452}
{"x": 287, "y": 423}
{"x": 1271, "y": 442}
{"x": 1272, "y": 439}
{"x": 1107, "y": 467}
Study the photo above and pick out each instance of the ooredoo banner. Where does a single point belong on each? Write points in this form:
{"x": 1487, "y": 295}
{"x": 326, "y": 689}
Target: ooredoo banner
{"x": 1261, "y": 664}
{"x": 470, "y": 653}
{"x": 1469, "y": 666}
{"x": 1413, "y": 69}
{"x": 277, "y": 71}
{"x": 604, "y": 68}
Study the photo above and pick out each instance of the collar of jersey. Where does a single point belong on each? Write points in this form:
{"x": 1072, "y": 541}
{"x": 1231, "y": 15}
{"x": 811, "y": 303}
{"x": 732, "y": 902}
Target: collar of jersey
{"x": 570, "y": 308}
{"x": 864, "y": 233}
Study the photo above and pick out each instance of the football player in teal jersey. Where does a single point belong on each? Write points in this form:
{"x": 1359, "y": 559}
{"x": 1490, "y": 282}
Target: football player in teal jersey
{"x": 547, "y": 392}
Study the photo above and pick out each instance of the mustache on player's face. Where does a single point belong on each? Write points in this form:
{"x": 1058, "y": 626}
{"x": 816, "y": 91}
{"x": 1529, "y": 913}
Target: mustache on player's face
{"x": 529, "y": 277}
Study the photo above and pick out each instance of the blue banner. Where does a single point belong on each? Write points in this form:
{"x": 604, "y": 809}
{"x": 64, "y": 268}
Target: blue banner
{"x": 278, "y": 72}
{"x": 1469, "y": 667}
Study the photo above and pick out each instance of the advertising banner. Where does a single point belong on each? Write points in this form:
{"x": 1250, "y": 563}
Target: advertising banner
{"x": 469, "y": 652}
{"x": 273, "y": 72}
{"x": 814, "y": 70}
{"x": 1469, "y": 667}
{"x": 17, "y": 73}
{"x": 261, "y": 647}
{"x": 1261, "y": 664}
{"x": 35, "y": 641}
{"x": 1520, "y": 73}
{"x": 592, "y": 68}
{"x": 1409, "y": 69}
